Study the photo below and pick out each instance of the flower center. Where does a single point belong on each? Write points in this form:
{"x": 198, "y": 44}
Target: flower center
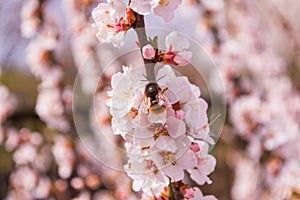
{"x": 168, "y": 157}
{"x": 160, "y": 129}
{"x": 151, "y": 167}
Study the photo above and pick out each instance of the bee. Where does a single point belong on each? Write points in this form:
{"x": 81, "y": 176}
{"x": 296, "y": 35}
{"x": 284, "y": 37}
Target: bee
{"x": 154, "y": 98}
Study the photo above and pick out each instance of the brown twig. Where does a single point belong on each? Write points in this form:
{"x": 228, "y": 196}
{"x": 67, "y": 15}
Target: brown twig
{"x": 140, "y": 30}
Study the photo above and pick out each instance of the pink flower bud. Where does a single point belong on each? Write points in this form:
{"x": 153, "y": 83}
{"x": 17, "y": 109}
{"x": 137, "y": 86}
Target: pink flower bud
{"x": 148, "y": 52}
{"x": 195, "y": 147}
{"x": 189, "y": 193}
{"x": 180, "y": 114}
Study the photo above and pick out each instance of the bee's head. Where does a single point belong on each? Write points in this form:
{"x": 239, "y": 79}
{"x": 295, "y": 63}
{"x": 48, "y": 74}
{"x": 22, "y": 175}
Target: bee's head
{"x": 151, "y": 90}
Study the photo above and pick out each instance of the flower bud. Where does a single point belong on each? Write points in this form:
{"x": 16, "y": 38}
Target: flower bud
{"x": 148, "y": 52}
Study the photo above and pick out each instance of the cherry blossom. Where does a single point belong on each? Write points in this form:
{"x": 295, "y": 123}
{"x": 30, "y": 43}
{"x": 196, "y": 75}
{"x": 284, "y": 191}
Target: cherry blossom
{"x": 162, "y": 8}
{"x": 260, "y": 71}
{"x": 110, "y": 23}
{"x": 165, "y": 8}
{"x": 31, "y": 13}
{"x": 175, "y": 54}
{"x": 172, "y": 164}
{"x": 159, "y": 145}
{"x": 53, "y": 115}
{"x": 198, "y": 195}
{"x": 144, "y": 172}
{"x": 142, "y": 7}
{"x": 205, "y": 163}
{"x": 64, "y": 156}
{"x": 176, "y": 50}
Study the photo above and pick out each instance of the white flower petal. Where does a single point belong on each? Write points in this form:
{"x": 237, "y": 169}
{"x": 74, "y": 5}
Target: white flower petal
{"x": 166, "y": 143}
{"x": 174, "y": 172}
{"x": 175, "y": 127}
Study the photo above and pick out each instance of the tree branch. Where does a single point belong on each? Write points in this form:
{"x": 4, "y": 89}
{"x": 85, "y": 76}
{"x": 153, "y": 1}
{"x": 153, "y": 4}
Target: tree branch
{"x": 140, "y": 30}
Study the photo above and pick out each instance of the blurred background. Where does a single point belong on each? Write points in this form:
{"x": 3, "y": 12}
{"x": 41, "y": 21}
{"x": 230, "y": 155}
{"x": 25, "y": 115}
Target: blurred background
{"x": 255, "y": 46}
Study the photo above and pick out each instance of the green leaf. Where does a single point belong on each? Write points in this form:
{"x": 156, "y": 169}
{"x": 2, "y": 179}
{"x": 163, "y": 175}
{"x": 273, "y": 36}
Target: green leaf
{"x": 153, "y": 42}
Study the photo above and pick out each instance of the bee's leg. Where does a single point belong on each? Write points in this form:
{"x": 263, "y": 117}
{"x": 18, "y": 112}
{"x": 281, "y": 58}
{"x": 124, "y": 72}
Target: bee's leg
{"x": 147, "y": 102}
{"x": 145, "y": 77}
{"x": 163, "y": 90}
{"x": 160, "y": 78}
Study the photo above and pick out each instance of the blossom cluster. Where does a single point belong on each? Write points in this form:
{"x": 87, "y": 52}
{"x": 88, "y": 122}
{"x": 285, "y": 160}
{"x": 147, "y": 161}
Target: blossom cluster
{"x": 50, "y": 164}
{"x": 164, "y": 141}
{"x": 263, "y": 103}
{"x": 113, "y": 19}
{"x": 33, "y": 161}
{"x": 258, "y": 67}
{"x": 262, "y": 91}
{"x": 43, "y": 64}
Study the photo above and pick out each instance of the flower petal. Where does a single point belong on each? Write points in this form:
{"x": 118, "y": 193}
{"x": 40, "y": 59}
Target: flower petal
{"x": 175, "y": 127}
{"x": 174, "y": 172}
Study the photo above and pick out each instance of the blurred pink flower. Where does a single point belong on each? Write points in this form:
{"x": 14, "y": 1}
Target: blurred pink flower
{"x": 64, "y": 156}
{"x": 50, "y": 108}
{"x": 30, "y": 18}
{"x": 25, "y": 154}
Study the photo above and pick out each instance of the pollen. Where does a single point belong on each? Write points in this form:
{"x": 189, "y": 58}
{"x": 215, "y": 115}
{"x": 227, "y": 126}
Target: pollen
{"x": 151, "y": 167}
{"x": 133, "y": 113}
{"x": 160, "y": 130}
{"x": 164, "y": 3}
{"x": 168, "y": 157}
{"x": 145, "y": 147}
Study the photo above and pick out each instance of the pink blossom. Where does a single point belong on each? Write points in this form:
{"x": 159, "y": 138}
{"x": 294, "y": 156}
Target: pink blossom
{"x": 173, "y": 163}
{"x": 158, "y": 145}
{"x": 144, "y": 172}
{"x": 109, "y": 21}
{"x": 12, "y": 140}
{"x": 25, "y": 154}
{"x": 64, "y": 156}
{"x": 205, "y": 164}
{"x": 53, "y": 115}
{"x": 142, "y": 7}
{"x": 196, "y": 117}
{"x": 176, "y": 50}
{"x": 43, "y": 188}
{"x": 165, "y": 8}
{"x": 24, "y": 177}
{"x": 199, "y": 195}
{"x": 30, "y": 18}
